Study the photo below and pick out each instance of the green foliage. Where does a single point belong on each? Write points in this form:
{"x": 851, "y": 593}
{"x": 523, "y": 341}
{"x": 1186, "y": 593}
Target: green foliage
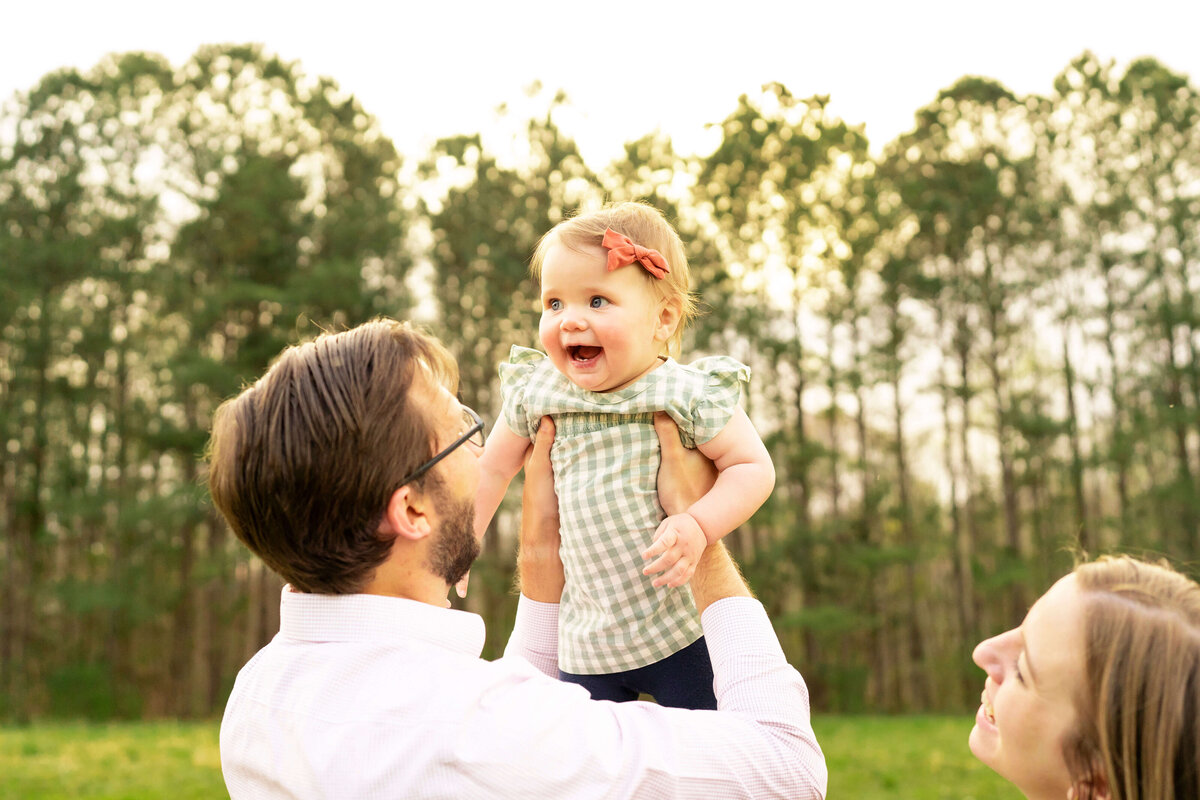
{"x": 974, "y": 353}
{"x": 90, "y": 692}
{"x": 832, "y": 620}
{"x": 163, "y": 232}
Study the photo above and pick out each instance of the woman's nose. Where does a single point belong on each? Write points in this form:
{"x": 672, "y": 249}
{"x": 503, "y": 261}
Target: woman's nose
{"x": 989, "y": 655}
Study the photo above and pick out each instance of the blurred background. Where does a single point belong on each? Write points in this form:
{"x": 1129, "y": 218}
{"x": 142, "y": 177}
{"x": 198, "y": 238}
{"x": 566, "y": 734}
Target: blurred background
{"x": 958, "y": 243}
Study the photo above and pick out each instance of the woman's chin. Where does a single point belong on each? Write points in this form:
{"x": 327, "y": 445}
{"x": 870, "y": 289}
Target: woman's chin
{"x": 982, "y": 739}
{"x": 973, "y": 743}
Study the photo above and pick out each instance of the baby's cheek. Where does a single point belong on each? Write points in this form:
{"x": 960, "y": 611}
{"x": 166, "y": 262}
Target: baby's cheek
{"x": 546, "y": 333}
{"x": 547, "y": 330}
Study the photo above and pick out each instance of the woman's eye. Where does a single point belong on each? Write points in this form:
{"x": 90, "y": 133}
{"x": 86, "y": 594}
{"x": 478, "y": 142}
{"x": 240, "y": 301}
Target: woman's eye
{"x": 599, "y": 302}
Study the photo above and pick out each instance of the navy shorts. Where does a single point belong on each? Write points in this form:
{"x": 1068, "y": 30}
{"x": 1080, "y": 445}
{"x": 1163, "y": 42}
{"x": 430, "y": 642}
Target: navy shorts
{"x": 681, "y": 680}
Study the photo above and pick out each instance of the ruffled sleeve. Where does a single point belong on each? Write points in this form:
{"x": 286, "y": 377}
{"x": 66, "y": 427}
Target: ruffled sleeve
{"x": 727, "y": 378}
{"x": 514, "y": 380}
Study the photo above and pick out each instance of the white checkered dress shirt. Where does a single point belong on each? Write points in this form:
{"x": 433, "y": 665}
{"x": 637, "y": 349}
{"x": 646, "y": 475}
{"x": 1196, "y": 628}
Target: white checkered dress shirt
{"x": 605, "y": 459}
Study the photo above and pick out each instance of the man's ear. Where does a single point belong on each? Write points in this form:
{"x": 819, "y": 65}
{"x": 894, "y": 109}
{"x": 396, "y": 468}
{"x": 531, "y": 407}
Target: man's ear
{"x": 406, "y": 514}
{"x": 669, "y": 314}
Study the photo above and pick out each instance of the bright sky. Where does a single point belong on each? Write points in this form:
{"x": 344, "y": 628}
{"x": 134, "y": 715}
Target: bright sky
{"x": 440, "y": 67}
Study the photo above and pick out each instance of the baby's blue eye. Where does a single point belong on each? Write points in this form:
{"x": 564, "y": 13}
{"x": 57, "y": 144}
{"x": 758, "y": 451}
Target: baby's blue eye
{"x": 599, "y": 302}
{"x": 554, "y": 305}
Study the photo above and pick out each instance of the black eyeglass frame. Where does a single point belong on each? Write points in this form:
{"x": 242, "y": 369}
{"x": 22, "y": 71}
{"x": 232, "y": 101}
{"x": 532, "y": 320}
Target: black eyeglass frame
{"x": 476, "y": 428}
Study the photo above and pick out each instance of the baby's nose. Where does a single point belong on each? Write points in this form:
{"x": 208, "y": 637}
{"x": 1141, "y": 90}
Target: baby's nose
{"x": 574, "y": 320}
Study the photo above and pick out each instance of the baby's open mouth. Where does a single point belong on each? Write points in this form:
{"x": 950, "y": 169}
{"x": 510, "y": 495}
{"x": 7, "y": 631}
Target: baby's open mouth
{"x": 581, "y": 352}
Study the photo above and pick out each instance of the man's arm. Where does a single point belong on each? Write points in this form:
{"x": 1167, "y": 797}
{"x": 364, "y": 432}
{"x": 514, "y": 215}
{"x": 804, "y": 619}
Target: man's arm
{"x": 539, "y": 568}
{"x": 717, "y": 578}
{"x": 759, "y": 744}
{"x": 684, "y": 477}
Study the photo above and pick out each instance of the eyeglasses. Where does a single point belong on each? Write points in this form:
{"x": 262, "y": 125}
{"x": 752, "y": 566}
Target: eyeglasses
{"x": 473, "y": 434}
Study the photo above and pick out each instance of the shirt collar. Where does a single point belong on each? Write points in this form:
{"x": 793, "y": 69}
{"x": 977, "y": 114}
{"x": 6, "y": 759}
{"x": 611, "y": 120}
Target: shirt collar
{"x": 375, "y": 618}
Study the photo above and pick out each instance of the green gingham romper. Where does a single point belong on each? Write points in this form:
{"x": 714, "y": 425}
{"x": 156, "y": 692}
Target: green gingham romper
{"x": 605, "y": 459}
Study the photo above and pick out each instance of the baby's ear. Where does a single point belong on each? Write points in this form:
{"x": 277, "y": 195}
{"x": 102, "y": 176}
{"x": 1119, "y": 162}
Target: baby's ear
{"x": 670, "y": 313}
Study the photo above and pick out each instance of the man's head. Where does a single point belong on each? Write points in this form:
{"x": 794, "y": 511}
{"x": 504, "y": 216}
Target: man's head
{"x": 304, "y": 464}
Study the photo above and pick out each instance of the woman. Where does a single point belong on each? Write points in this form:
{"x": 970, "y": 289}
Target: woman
{"x": 1097, "y": 693}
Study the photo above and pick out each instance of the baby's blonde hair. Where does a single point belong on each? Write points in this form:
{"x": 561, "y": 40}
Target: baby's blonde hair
{"x": 646, "y": 226}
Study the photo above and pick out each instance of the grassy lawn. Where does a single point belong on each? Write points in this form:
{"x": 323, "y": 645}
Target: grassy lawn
{"x": 915, "y": 758}
{"x": 57, "y": 761}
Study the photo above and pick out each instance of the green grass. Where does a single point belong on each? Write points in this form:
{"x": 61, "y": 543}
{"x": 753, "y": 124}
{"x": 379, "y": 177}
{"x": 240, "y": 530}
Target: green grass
{"x": 916, "y": 758}
{"x": 126, "y": 761}
{"x": 870, "y": 758}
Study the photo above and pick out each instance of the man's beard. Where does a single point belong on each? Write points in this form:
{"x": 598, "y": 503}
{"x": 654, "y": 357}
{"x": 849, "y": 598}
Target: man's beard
{"x": 455, "y": 548}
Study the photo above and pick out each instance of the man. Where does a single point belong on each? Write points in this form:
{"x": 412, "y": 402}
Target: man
{"x": 350, "y": 469}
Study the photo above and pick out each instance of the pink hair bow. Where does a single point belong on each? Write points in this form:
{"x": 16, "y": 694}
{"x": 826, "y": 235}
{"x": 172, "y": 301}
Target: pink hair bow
{"x": 622, "y": 251}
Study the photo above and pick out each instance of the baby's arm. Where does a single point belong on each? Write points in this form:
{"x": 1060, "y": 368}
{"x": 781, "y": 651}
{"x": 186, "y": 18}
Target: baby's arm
{"x": 745, "y": 479}
{"x": 503, "y": 455}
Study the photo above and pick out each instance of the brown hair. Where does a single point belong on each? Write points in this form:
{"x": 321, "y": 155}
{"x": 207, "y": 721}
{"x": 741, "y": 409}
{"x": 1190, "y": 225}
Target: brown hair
{"x": 1139, "y": 707}
{"x": 646, "y": 226}
{"x": 302, "y": 463}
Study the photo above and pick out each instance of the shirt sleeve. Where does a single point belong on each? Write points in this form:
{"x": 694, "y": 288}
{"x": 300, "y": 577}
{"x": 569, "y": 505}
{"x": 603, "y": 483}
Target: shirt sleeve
{"x": 542, "y": 738}
{"x": 514, "y": 379}
{"x": 535, "y": 635}
{"x": 727, "y": 379}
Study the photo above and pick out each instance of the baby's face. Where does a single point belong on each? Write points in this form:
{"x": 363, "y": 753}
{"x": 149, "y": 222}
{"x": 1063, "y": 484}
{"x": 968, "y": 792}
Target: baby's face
{"x": 601, "y": 329}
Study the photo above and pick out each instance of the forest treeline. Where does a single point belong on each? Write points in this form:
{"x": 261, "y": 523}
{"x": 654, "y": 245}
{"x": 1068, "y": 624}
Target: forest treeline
{"x": 974, "y": 348}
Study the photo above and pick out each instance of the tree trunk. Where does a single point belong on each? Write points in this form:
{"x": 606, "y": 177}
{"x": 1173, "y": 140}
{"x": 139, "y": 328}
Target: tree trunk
{"x": 183, "y": 628}
{"x": 1119, "y": 444}
{"x": 973, "y": 538}
{"x": 1018, "y": 594}
{"x": 912, "y": 652}
{"x": 1082, "y": 523}
{"x": 802, "y": 492}
{"x": 835, "y": 493}
{"x": 1189, "y": 521}
{"x": 29, "y": 530}
{"x": 911, "y": 694}
{"x": 962, "y": 546}
{"x": 877, "y": 663}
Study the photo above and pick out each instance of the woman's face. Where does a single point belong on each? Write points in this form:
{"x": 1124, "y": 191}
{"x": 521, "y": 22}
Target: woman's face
{"x": 1028, "y": 703}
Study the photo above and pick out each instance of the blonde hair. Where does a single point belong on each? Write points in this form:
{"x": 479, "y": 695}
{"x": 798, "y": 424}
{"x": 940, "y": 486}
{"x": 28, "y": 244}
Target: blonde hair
{"x": 646, "y": 226}
{"x": 1139, "y": 707}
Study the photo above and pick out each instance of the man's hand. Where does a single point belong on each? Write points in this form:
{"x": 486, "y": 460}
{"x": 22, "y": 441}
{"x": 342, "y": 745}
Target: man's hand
{"x": 678, "y": 543}
{"x": 684, "y": 476}
{"x": 539, "y": 565}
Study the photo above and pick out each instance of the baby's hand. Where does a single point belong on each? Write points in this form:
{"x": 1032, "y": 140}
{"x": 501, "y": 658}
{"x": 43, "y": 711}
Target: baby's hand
{"x": 678, "y": 543}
